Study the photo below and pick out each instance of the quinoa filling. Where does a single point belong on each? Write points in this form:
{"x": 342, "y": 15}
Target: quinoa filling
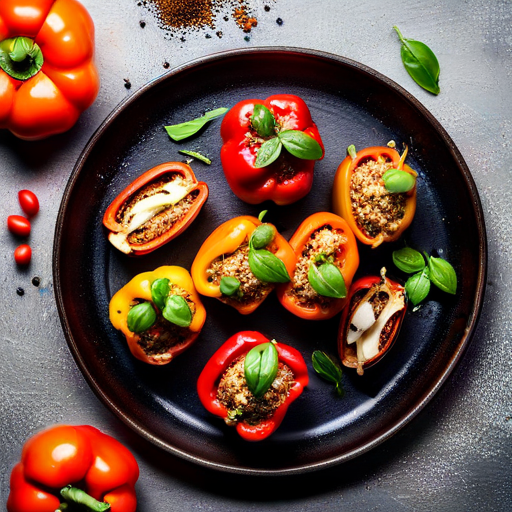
{"x": 163, "y": 335}
{"x": 236, "y": 265}
{"x": 241, "y": 404}
{"x": 162, "y": 221}
{"x": 375, "y": 209}
{"x": 324, "y": 241}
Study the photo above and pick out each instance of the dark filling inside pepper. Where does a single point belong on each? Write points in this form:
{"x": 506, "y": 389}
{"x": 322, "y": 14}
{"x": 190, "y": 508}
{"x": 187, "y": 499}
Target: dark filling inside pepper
{"x": 375, "y": 209}
{"x": 162, "y": 221}
{"x": 241, "y": 404}
{"x": 163, "y": 335}
{"x": 325, "y": 241}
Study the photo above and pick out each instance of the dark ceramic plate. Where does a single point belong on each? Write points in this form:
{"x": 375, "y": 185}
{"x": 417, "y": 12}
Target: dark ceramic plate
{"x": 351, "y": 104}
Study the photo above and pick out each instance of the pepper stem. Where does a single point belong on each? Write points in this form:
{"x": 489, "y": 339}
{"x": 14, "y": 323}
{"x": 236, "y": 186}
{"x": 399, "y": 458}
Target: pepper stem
{"x": 74, "y": 495}
{"x": 20, "y": 57}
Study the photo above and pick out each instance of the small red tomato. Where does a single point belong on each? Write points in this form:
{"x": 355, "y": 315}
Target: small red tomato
{"x": 22, "y": 254}
{"x": 28, "y": 202}
{"x": 18, "y": 225}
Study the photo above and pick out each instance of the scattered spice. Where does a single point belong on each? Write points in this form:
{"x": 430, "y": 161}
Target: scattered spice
{"x": 36, "y": 281}
{"x": 267, "y": 8}
{"x": 247, "y": 38}
{"x": 219, "y": 34}
{"x": 208, "y": 36}
{"x": 20, "y": 291}
{"x": 127, "y": 83}
{"x": 142, "y": 24}
{"x": 198, "y": 14}
{"x": 279, "y": 21}
{"x": 166, "y": 65}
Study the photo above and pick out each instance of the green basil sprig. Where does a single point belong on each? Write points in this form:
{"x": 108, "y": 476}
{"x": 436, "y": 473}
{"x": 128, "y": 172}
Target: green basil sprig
{"x": 327, "y": 280}
{"x": 160, "y": 291}
{"x": 300, "y": 144}
{"x": 420, "y": 62}
{"x": 260, "y": 368}
{"x": 229, "y": 286}
{"x": 328, "y": 369}
{"x": 177, "y": 311}
{"x": 267, "y": 267}
{"x": 262, "y": 236}
{"x": 417, "y": 286}
{"x": 20, "y": 57}
{"x": 268, "y": 153}
{"x": 184, "y": 130}
{"x": 263, "y": 121}
{"x": 196, "y": 155}
{"x": 141, "y": 317}
{"x": 437, "y": 271}
{"x": 397, "y": 181}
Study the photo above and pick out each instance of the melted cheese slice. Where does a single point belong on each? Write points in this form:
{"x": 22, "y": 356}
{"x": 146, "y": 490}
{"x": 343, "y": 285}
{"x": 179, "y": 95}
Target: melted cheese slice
{"x": 144, "y": 210}
{"x": 368, "y": 343}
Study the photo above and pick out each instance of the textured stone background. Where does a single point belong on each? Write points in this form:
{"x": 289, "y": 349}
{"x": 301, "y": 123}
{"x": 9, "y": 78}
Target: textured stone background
{"x": 456, "y": 455}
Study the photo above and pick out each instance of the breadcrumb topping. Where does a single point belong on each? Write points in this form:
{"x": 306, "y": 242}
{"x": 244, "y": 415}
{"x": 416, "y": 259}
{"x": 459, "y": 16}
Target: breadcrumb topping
{"x": 241, "y": 404}
{"x": 375, "y": 209}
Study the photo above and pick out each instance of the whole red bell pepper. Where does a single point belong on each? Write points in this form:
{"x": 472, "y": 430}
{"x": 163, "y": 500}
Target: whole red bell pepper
{"x": 239, "y": 345}
{"x": 288, "y": 178}
{"x": 101, "y": 470}
{"x": 47, "y": 75}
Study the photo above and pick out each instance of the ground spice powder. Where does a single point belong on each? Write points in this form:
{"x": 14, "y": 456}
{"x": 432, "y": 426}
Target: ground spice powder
{"x": 197, "y": 14}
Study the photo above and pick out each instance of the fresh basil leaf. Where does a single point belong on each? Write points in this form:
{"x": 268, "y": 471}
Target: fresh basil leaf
{"x": 351, "y": 151}
{"x": 300, "y": 145}
{"x": 263, "y": 121}
{"x": 229, "y": 286}
{"x": 417, "y": 286}
{"x": 327, "y": 280}
{"x": 267, "y": 267}
{"x": 262, "y": 214}
{"x": 262, "y": 236}
{"x": 420, "y": 62}
{"x": 260, "y": 368}
{"x": 160, "y": 292}
{"x": 141, "y": 317}
{"x": 195, "y": 154}
{"x": 328, "y": 369}
{"x": 20, "y": 57}
{"x": 442, "y": 274}
{"x": 408, "y": 260}
{"x": 177, "y": 311}
{"x": 397, "y": 181}
{"x": 268, "y": 152}
{"x": 184, "y": 130}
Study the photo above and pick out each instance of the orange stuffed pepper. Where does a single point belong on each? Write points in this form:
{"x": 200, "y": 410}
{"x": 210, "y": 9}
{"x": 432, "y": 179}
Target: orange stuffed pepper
{"x": 241, "y": 261}
{"x": 160, "y": 314}
{"x": 327, "y": 259}
{"x": 375, "y": 211}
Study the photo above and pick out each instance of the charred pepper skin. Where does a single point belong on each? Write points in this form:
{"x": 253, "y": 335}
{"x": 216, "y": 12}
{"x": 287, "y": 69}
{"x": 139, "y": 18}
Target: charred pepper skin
{"x": 110, "y": 217}
{"x": 342, "y": 203}
{"x": 140, "y": 288}
{"x": 238, "y": 154}
{"x": 79, "y": 455}
{"x": 347, "y": 260}
{"x": 238, "y": 345}
{"x": 51, "y": 101}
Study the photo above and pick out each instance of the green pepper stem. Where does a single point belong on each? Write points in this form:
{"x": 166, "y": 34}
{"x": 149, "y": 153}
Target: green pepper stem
{"x": 20, "y": 57}
{"x": 74, "y": 495}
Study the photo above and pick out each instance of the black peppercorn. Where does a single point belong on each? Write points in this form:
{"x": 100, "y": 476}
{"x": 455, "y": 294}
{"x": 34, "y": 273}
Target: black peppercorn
{"x": 20, "y": 291}
{"x": 279, "y": 21}
{"x": 36, "y": 281}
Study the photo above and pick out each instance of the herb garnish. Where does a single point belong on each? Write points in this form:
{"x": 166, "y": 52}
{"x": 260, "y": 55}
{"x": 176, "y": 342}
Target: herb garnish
{"x": 326, "y": 279}
{"x": 436, "y": 270}
{"x": 195, "y": 154}
{"x": 328, "y": 369}
{"x": 420, "y": 62}
{"x": 184, "y": 130}
{"x": 260, "y": 368}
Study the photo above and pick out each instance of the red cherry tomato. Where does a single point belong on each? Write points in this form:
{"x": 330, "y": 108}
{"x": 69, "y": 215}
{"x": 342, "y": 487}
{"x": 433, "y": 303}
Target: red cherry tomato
{"x": 18, "y": 225}
{"x": 28, "y": 202}
{"x": 23, "y": 254}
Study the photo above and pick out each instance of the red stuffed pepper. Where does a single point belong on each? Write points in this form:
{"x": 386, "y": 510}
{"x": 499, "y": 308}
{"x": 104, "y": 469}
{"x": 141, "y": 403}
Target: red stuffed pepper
{"x": 155, "y": 208}
{"x": 371, "y": 322}
{"x": 66, "y": 465}
{"x": 250, "y": 382}
{"x": 270, "y": 148}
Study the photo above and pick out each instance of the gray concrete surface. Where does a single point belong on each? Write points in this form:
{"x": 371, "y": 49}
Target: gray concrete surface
{"x": 456, "y": 455}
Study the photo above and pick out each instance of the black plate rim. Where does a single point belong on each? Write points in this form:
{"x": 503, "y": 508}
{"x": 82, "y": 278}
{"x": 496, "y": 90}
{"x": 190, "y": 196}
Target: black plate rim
{"x": 428, "y": 393}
